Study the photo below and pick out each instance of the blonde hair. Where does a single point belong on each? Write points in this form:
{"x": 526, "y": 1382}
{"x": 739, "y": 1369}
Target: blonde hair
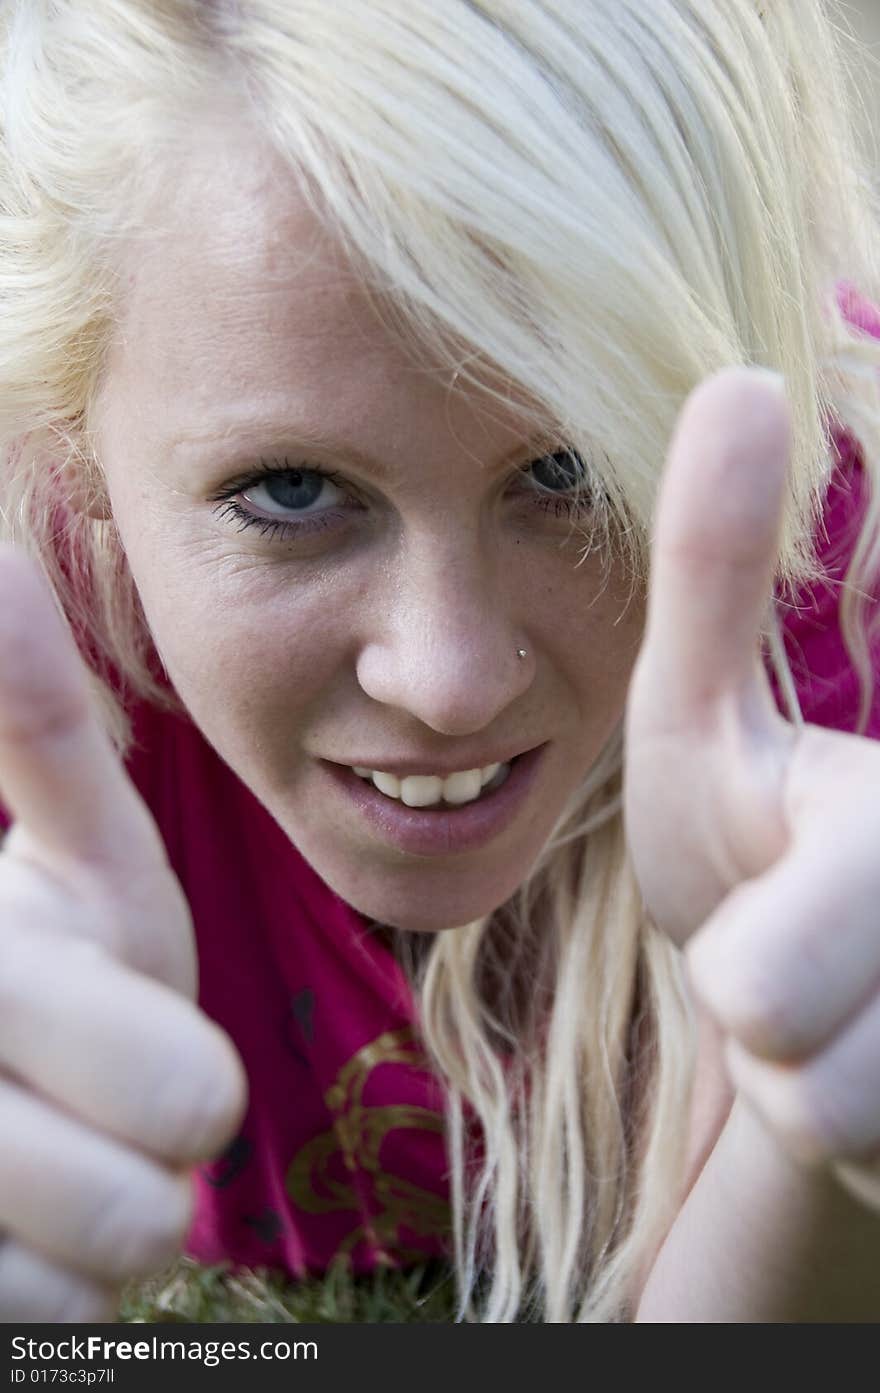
{"x": 604, "y": 200}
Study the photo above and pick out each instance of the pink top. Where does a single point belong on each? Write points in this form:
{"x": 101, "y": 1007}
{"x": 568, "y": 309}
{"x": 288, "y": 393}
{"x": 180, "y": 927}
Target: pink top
{"x": 341, "y": 1150}
{"x": 826, "y": 682}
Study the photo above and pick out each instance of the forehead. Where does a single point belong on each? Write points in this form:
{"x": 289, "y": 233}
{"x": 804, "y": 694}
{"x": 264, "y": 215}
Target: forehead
{"x": 236, "y": 279}
{"x": 239, "y": 300}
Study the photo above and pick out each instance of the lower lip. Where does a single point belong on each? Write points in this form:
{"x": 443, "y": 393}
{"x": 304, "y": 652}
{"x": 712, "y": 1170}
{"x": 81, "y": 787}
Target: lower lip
{"x": 448, "y": 831}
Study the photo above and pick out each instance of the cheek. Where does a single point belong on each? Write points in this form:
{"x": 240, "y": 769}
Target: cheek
{"x": 590, "y": 625}
{"x": 250, "y": 649}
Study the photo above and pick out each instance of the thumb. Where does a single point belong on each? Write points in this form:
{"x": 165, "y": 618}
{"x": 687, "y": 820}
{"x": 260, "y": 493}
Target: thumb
{"x": 715, "y": 545}
{"x": 704, "y": 741}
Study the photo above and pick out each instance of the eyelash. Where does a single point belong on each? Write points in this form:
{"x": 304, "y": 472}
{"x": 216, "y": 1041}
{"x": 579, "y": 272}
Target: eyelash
{"x": 272, "y": 527}
{"x": 561, "y": 505}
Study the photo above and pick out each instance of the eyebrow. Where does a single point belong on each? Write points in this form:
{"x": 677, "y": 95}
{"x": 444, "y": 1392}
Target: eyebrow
{"x": 251, "y": 437}
{"x": 256, "y": 436}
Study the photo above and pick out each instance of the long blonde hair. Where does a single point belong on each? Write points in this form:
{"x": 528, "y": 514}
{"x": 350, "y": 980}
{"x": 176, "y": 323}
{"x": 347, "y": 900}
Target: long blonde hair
{"x": 605, "y": 200}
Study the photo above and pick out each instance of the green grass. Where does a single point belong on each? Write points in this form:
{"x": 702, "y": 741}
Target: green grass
{"x": 187, "y": 1292}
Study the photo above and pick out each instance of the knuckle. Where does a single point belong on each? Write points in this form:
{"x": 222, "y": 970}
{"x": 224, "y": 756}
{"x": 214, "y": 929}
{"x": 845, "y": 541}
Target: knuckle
{"x": 764, "y": 1014}
{"x": 42, "y": 921}
{"x": 814, "y": 1123}
{"x": 834, "y": 1123}
{"x": 781, "y": 1005}
{"x": 152, "y": 923}
{"x": 138, "y": 1228}
{"x": 86, "y": 1303}
{"x": 33, "y": 710}
{"x": 32, "y": 1288}
{"x": 34, "y": 966}
{"x": 198, "y": 1107}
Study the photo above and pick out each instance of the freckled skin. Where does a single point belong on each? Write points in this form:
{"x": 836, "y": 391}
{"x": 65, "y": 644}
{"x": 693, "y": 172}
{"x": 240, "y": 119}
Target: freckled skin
{"x": 392, "y": 630}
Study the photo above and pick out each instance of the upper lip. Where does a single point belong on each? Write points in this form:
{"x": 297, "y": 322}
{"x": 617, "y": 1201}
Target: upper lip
{"x": 429, "y": 764}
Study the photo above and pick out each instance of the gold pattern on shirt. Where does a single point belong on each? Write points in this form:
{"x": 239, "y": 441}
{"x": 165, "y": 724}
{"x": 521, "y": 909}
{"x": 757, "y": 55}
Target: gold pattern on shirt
{"x": 357, "y": 1134}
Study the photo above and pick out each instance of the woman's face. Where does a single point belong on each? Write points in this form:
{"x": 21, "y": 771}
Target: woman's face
{"x": 368, "y": 614}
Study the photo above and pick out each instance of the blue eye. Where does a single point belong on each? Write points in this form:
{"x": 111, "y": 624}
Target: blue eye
{"x": 290, "y": 488}
{"x": 560, "y": 472}
{"x": 561, "y": 486}
{"x": 294, "y": 488}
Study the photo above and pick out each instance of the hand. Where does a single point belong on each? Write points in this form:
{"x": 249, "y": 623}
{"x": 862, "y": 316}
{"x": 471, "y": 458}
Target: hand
{"x": 760, "y": 840}
{"x": 112, "y": 1082}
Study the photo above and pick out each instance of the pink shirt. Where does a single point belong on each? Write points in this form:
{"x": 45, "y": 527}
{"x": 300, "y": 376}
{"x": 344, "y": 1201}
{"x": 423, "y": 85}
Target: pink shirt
{"x": 827, "y": 684}
{"x": 341, "y": 1150}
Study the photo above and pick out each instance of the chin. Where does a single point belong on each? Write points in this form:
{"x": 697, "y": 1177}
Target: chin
{"x": 418, "y": 903}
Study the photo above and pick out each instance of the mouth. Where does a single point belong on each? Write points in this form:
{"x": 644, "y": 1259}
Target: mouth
{"x": 440, "y": 827}
{"x": 431, "y": 792}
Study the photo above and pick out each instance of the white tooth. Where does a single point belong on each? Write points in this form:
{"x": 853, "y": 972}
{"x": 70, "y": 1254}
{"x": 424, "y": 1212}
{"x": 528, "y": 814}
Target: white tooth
{"x": 386, "y": 783}
{"x": 361, "y": 772}
{"x": 462, "y": 788}
{"x": 420, "y": 790}
{"x": 488, "y": 772}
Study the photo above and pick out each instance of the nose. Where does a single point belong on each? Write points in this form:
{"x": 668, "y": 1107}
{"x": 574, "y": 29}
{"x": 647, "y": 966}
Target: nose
{"x": 443, "y": 642}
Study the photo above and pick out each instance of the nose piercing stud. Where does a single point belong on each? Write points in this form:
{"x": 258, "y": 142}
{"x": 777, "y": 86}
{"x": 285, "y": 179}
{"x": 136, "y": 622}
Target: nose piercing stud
{"x": 521, "y": 653}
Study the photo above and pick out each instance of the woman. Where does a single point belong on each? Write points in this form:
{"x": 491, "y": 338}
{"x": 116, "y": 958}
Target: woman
{"x": 344, "y": 345}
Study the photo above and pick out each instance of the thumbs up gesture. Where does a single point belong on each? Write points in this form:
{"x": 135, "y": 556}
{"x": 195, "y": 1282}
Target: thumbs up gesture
{"x": 112, "y": 1082}
{"x": 755, "y": 845}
